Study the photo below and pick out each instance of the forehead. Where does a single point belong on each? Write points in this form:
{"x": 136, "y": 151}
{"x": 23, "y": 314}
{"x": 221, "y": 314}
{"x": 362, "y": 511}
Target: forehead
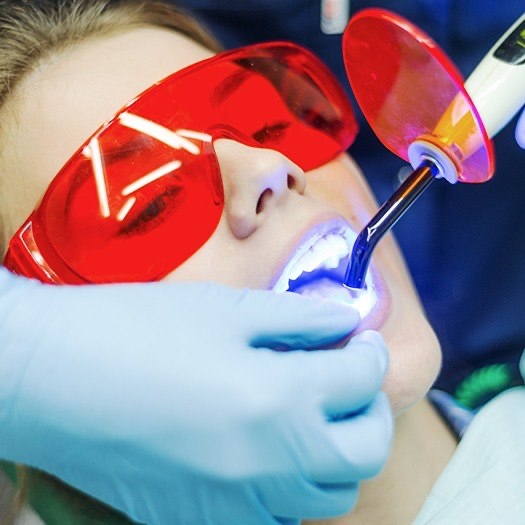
{"x": 60, "y": 104}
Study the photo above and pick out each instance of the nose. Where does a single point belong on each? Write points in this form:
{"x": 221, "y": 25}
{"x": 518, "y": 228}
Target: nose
{"x": 256, "y": 181}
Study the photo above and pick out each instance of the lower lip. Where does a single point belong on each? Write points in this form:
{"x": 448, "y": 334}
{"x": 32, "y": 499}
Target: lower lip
{"x": 373, "y": 303}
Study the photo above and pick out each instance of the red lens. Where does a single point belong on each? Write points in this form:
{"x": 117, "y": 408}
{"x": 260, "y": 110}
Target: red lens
{"x": 111, "y": 232}
{"x": 145, "y": 192}
{"x": 408, "y": 89}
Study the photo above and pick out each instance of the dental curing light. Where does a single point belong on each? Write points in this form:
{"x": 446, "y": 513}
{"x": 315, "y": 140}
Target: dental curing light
{"x": 416, "y": 103}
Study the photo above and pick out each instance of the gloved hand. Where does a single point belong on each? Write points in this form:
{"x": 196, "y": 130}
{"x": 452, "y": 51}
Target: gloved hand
{"x": 520, "y": 130}
{"x": 164, "y": 400}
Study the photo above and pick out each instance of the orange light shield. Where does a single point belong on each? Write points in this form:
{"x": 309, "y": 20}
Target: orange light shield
{"x": 409, "y": 90}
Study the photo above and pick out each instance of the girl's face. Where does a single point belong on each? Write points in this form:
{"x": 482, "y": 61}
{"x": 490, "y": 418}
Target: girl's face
{"x": 274, "y": 212}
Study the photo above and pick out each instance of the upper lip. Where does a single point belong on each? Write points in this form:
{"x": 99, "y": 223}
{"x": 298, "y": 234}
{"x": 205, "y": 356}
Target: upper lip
{"x": 308, "y": 241}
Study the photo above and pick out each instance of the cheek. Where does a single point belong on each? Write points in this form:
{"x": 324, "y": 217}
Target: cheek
{"x": 224, "y": 260}
{"x": 415, "y": 356}
{"x": 340, "y": 185}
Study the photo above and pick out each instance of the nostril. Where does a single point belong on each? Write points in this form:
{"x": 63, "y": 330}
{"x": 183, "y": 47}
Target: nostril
{"x": 291, "y": 182}
{"x": 265, "y": 195}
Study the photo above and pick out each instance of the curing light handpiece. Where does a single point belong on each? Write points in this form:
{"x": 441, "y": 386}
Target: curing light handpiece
{"x": 495, "y": 94}
{"x": 384, "y": 219}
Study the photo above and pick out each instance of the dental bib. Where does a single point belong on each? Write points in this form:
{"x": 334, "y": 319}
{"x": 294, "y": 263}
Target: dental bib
{"x": 485, "y": 480}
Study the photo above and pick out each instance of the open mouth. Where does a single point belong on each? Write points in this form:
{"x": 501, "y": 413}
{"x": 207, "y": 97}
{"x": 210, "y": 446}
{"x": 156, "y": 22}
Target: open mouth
{"x": 318, "y": 269}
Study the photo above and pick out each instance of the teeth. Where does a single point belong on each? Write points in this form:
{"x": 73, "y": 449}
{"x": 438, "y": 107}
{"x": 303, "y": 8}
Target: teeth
{"x": 333, "y": 262}
{"x": 312, "y": 258}
{"x": 340, "y": 245}
{"x": 326, "y": 252}
{"x": 294, "y": 272}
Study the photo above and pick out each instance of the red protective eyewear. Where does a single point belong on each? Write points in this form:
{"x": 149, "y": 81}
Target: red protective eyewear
{"x": 144, "y": 193}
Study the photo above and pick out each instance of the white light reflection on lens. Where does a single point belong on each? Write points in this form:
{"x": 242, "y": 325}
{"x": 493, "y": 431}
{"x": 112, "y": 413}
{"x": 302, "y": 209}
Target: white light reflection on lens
{"x": 121, "y": 215}
{"x": 158, "y": 132}
{"x": 152, "y": 176}
{"x": 93, "y": 152}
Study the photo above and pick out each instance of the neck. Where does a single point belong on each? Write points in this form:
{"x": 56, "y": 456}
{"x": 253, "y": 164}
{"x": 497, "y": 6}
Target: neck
{"x": 422, "y": 447}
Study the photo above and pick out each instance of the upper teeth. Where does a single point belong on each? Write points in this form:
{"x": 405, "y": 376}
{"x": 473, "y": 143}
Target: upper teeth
{"x": 325, "y": 252}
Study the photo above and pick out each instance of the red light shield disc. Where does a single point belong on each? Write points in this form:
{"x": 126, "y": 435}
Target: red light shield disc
{"x": 408, "y": 89}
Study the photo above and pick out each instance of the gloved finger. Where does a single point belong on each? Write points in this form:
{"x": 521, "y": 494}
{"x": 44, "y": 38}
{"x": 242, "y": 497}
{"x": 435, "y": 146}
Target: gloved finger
{"x": 273, "y": 320}
{"x": 520, "y": 130}
{"x": 306, "y": 499}
{"x": 288, "y": 521}
{"x": 360, "y": 445}
{"x": 343, "y": 380}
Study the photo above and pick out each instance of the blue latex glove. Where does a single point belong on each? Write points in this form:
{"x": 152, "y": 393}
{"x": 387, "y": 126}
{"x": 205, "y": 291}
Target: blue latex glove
{"x": 164, "y": 401}
{"x": 520, "y": 130}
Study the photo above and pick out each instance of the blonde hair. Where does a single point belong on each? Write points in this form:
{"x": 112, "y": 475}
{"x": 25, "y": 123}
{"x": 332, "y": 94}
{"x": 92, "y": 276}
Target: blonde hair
{"x": 30, "y": 31}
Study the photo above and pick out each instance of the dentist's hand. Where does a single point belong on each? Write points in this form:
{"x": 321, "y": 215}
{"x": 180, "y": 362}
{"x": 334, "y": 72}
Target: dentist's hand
{"x": 165, "y": 401}
{"x": 520, "y": 130}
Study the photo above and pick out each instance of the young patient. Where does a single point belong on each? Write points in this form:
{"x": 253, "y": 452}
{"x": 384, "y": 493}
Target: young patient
{"x": 278, "y": 221}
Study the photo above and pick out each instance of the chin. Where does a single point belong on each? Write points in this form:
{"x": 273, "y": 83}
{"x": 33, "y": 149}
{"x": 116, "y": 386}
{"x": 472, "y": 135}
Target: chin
{"x": 415, "y": 361}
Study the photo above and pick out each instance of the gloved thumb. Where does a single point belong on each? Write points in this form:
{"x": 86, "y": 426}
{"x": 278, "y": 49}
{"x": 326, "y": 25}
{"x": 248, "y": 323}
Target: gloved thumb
{"x": 289, "y": 320}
